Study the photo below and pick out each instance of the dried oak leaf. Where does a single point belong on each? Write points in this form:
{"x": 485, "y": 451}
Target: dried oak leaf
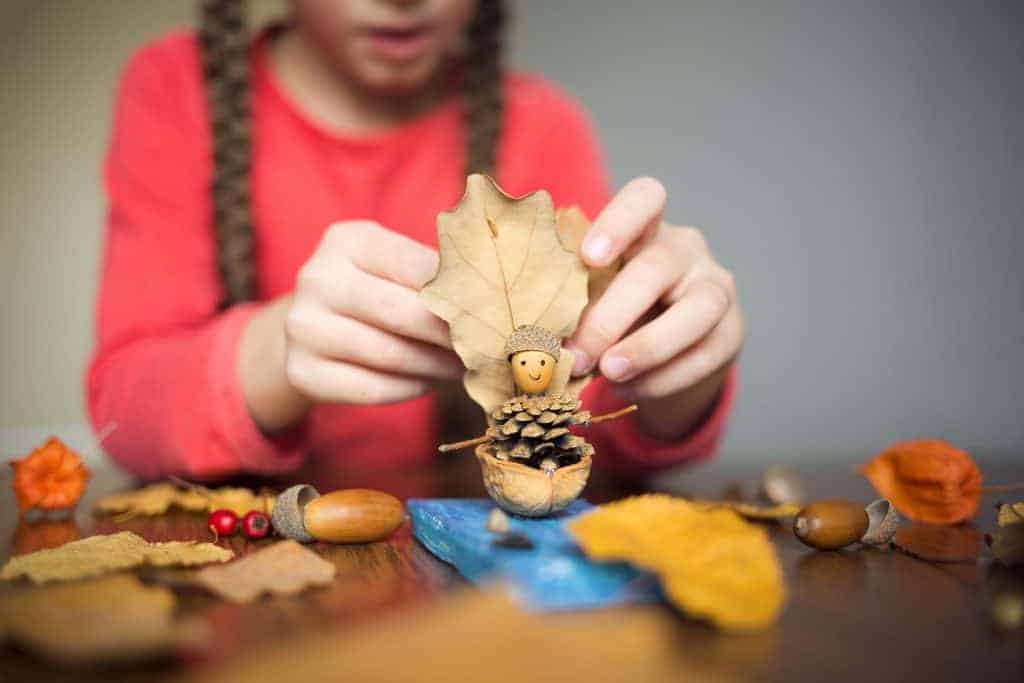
{"x": 928, "y": 480}
{"x": 112, "y": 618}
{"x": 572, "y": 226}
{"x": 103, "y": 554}
{"x": 939, "y": 543}
{"x": 751, "y": 510}
{"x": 156, "y": 499}
{"x": 711, "y": 563}
{"x": 52, "y": 477}
{"x": 284, "y": 568}
{"x": 502, "y": 265}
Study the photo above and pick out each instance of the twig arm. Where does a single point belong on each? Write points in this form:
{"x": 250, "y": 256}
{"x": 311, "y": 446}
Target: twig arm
{"x": 459, "y": 445}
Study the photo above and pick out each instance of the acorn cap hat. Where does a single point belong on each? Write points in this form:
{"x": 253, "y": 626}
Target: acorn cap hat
{"x": 533, "y": 338}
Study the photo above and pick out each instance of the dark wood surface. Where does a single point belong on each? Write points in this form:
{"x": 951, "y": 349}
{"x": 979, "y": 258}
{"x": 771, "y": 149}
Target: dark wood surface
{"x": 396, "y": 613}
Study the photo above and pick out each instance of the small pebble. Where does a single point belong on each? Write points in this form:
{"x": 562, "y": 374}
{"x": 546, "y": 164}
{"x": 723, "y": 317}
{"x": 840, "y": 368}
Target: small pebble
{"x": 497, "y": 521}
{"x": 514, "y": 541}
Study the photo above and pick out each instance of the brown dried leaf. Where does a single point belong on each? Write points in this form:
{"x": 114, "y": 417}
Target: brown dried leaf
{"x": 284, "y": 568}
{"x": 98, "y": 555}
{"x": 115, "y": 617}
{"x": 157, "y": 499}
{"x": 711, "y": 563}
{"x": 502, "y": 265}
{"x": 751, "y": 510}
{"x": 939, "y": 543}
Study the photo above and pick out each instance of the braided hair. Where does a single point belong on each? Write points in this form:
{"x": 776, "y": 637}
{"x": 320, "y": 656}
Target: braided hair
{"x": 224, "y": 45}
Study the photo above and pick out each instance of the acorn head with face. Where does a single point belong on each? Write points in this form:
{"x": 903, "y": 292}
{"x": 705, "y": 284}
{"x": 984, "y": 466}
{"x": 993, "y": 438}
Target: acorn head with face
{"x": 533, "y": 353}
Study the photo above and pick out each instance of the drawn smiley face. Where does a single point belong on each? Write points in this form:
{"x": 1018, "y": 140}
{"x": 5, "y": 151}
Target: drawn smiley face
{"x": 533, "y": 371}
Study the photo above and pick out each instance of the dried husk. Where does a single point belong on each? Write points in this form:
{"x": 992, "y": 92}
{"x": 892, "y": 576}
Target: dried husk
{"x": 928, "y": 480}
{"x": 883, "y": 522}
{"x": 528, "y": 491}
{"x": 52, "y": 477}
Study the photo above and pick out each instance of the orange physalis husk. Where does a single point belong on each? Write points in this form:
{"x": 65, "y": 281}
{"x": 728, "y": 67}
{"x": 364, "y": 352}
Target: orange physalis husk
{"x": 928, "y": 480}
{"x": 52, "y": 477}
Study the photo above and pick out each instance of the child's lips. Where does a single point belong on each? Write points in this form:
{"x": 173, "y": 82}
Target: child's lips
{"x": 399, "y": 44}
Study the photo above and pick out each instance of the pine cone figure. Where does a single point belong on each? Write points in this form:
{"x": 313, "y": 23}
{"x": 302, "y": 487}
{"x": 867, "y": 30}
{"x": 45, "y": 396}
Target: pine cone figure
{"x": 534, "y": 431}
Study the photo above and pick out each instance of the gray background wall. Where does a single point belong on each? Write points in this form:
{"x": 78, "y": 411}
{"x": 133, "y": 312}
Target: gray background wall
{"x": 858, "y": 165}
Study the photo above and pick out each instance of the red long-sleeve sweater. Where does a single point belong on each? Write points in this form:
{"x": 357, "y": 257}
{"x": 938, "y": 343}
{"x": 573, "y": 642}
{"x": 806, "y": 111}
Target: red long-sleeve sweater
{"x": 164, "y": 365}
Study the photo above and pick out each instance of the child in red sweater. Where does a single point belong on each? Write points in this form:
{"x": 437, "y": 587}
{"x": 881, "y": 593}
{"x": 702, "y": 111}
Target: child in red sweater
{"x": 272, "y": 219}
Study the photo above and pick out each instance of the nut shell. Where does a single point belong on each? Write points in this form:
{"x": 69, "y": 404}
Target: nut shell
{"x": 883, "y": 521}
{"x": 353, "y": 516}
{"x": 287, "y": 517}
{"x": 830, "y": 524}
{"x": 528, "y": 491}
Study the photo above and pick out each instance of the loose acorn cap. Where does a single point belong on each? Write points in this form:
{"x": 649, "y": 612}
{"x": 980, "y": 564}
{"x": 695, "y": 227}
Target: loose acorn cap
{"x": 289, "y": 510}
{"x": 781, "y": 485}
{"x": 883, "y": 521}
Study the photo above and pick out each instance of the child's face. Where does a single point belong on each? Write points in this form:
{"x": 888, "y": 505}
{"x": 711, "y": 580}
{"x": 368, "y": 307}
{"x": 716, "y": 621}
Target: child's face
{"x": 532, "y": 371}
{"x": 385, "y": 46}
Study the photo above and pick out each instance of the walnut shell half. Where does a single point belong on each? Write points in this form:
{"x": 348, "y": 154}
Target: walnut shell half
{"x": 528, "y": 491}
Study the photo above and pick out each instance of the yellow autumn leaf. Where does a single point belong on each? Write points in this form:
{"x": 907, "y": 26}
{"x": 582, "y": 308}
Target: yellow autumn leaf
{"x": 502, "y": 265}
{"x": 711, "y": 563}
{"x": 111, "y": 618}
{"x": 103, "y": 554}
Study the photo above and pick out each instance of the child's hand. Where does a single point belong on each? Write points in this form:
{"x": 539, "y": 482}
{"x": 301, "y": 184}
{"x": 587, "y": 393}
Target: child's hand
{"x": 355, "y": 330}
{"x": 669, "y": 324}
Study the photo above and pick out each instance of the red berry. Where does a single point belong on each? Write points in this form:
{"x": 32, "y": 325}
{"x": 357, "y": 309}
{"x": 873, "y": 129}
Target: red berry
{"x": 222, "y": 523}
{"x": 255, "y": 525}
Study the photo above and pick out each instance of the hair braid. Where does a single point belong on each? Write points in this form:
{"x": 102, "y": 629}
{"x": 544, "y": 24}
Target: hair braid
{"x": 483, "y": 86}
{"x": 224, "y": 47}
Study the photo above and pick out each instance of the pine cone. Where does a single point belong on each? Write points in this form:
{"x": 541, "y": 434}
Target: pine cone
{"x": 534, "y": 431}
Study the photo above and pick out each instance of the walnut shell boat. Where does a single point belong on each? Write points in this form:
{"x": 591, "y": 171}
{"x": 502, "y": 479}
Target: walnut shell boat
{"x": 528, "y": 491}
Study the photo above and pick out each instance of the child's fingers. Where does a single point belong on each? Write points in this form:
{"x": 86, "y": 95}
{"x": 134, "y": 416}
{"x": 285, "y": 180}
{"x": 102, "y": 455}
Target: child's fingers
{"x": 330, "y": 381}
{"x": 634, "y": 212}
{"x": 715, "y": 351}
{"x": 387, "y": 254}
{"x": 682, "y": 325}
{"x": 642, "y": 281}
{"x": 342, "y": 338}
{"x": 383, "y": 304}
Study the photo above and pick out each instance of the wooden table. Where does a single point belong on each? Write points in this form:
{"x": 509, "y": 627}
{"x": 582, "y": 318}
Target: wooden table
{"x": 396, "y": 613}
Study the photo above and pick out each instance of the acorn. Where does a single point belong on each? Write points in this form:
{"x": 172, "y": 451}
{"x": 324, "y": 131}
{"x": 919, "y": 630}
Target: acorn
{"x": 345, "y": 516}
{"x": 830, "y": 524}
{"x": 883, "y": 521}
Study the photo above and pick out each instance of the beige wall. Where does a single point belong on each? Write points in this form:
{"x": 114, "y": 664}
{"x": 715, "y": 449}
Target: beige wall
{"x": 61, "y": 60}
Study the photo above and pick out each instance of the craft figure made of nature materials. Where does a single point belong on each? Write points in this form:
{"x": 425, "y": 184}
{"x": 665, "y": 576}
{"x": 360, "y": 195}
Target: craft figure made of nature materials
{"x": 511, "y": 291}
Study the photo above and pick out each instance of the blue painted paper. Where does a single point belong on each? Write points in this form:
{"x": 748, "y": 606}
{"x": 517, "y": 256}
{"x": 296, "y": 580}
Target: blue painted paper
{"x": 553, "y": 576}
